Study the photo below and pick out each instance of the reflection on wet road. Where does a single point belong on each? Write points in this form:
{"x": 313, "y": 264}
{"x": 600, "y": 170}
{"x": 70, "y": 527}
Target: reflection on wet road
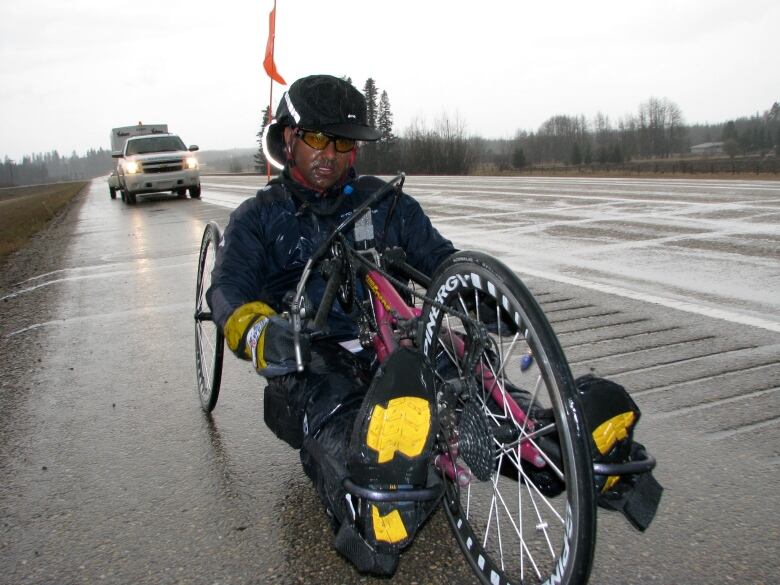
{"x": 111, "y": 473}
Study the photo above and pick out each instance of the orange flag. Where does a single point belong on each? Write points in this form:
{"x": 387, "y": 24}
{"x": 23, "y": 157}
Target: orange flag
{"x": 268, "y": 62}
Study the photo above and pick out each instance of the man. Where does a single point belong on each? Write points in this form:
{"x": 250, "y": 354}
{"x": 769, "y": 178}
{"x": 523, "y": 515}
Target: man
{"x": 322, "y": 410}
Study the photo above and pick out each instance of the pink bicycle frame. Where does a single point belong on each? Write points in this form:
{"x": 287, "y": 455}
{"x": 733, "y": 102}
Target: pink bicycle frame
{"x": 389, "y": 307}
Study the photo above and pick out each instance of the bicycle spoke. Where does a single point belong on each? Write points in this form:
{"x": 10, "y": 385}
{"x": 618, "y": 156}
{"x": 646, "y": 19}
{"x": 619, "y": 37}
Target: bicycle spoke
{"x": 531, "y": 403}
{"x": 540, "y": 524}
{"x": 528, "y": 520}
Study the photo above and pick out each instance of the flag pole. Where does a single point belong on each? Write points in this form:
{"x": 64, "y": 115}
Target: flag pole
{"x": 272, "y": 34}
{"x": 265, "y": 126}
{"x": 270, "y": 69}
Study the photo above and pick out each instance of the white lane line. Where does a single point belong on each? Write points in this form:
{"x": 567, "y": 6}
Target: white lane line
{"x": 688, "y": 307}
{"x": 236, "y": 186}
{"x": 524, "y": 183}
{"x": 222, "y": 199}
{"x": 580, "y": 197}
{"x": 220, "y": 203}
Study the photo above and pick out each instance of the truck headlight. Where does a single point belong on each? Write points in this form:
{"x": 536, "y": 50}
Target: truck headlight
{"x": 132, "y": 167}
{"x": 191, "y": 162}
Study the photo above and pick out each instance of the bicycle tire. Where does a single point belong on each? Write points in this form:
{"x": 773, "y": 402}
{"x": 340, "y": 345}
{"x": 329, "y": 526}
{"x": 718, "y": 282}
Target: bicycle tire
{"x": 209, "y": 340}
{"x": 511, "y": 526}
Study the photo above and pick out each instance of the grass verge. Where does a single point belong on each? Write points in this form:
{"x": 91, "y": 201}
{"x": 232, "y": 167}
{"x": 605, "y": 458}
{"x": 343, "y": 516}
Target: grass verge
{"x": 26, "y": 210}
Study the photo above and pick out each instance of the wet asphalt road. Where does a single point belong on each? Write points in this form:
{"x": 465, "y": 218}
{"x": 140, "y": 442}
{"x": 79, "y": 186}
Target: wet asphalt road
{"x": 112, "y": 474}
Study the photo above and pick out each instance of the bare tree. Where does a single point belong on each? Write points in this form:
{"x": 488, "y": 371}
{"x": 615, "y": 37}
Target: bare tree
{"x": 442, "y": 150}
{"x": 660, "y": 127}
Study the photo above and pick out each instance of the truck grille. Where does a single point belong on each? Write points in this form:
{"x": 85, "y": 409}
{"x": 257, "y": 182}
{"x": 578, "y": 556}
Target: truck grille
{"x": 163, "y": 166}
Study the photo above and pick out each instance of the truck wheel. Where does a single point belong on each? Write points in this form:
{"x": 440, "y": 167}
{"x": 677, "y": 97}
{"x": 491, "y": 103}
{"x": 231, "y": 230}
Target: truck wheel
{"x": 112, "y": 192}
{"x": 195, "y": 192}
{"x": 180, "y": 193}
{"x": 129, "y": 198}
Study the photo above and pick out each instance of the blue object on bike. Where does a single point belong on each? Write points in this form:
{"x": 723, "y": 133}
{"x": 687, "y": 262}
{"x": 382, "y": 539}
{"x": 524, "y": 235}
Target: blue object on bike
{"x": 526, "y": 361}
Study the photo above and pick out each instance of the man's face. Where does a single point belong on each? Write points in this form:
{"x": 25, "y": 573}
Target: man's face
{"x": 321, "y": 168}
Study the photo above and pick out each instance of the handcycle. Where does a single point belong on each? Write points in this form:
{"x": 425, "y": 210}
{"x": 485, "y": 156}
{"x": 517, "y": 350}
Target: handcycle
{"x": 519, "y": 483}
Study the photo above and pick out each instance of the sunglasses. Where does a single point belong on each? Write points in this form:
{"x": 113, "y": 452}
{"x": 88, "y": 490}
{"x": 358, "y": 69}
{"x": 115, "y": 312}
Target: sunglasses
{"x": 320, "y": 140}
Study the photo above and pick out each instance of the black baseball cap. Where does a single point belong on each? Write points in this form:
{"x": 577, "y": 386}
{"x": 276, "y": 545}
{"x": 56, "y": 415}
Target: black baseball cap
{"x": 318, "y": 102}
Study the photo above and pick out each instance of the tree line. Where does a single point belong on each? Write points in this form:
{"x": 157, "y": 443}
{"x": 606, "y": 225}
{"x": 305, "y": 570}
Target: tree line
{"x": 656, "y": 132}
{"x": 51, "y": 167}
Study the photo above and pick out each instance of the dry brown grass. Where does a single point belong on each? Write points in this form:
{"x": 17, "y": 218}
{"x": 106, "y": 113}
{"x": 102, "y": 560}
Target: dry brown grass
{"x": 26, "y": 210}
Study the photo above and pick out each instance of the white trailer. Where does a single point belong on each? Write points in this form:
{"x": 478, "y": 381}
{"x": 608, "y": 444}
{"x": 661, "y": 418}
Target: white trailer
{"x": 120, "y": 135}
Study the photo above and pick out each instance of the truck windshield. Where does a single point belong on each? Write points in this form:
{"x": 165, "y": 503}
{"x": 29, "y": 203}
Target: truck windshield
{"x": 155, "y": 144}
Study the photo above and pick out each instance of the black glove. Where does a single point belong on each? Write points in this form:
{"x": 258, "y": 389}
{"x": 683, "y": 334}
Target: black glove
{"x": 271, "y": 344}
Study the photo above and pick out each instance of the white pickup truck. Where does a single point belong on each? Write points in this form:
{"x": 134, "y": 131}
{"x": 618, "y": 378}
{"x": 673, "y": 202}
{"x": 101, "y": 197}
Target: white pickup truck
{"x": 149, "y": 160}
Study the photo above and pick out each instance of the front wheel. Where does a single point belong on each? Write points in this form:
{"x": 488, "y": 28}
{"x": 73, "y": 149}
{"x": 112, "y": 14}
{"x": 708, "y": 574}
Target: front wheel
{"x": 513, "y": 451}
{"x": 112, "y": 192}
{"x": 209, "y": 341}
{"x": 195, "y": 192}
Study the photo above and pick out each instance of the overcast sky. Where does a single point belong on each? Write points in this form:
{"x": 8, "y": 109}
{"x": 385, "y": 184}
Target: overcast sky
{"x": 70, "y": 71}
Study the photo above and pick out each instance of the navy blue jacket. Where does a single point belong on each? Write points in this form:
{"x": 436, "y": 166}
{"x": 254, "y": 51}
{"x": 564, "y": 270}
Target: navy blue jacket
{"x": 270, "y": 237}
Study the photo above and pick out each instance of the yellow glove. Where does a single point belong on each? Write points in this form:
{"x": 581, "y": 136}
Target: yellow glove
{"x": 255, "y": 332}
{"x": 271, "y": 343}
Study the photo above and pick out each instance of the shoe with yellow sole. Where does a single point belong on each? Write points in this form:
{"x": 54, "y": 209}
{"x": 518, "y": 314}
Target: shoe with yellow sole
{"x": 390, "y": 448}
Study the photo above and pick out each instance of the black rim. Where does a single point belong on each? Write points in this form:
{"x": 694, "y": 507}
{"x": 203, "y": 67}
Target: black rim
{"x": 209, "y": 341}
{"x": 514, "y": 530}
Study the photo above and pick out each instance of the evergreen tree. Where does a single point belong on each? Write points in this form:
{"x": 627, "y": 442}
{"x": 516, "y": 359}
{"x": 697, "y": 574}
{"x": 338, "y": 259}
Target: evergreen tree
{"x": 616, "y": 156}
{"x": 261, "y": 163}
{"x": 518, "y": 158}
{"x": 729, "y": 132}
{"x": 774, "y": 112}
{"x": 576, "y": 155}
{"x": 370, "y": 93}
{"x": 587, "y": 158}
{"x": 731, "y": 147}
{"x": 385, "y": 120}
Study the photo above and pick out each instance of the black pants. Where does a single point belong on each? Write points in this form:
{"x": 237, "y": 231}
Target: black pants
{"x": 315, "y": 411}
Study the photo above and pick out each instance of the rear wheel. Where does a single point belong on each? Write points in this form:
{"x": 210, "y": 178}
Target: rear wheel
{"x": 209, "y": 341}
{"x": 518, "y": 491}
